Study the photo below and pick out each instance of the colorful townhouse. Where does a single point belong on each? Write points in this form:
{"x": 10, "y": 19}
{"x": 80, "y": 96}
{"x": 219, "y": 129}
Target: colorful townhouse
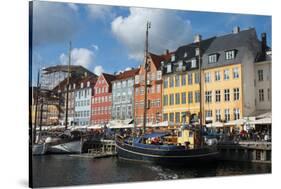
{"x": 154, "y": 90}
{"x": 228, "y": 77}
{"x": 102, "y": 99}
{"x": 123, "y": 95}
{"x": 83, "y": 97}
{"x": 59, "y": 72}
{"x": 181, "y": 91}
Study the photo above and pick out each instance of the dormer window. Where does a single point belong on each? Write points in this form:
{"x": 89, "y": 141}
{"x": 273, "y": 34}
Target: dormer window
{"x": 229, "y": 55}
{"x": 169, "y": 68}
{"x": 197, "y": 52}
{"x": 173, "y": 58}
{"x": 193, "y": 63}
{"x": 213, "y": 58}
{"x": 185, "y": 54}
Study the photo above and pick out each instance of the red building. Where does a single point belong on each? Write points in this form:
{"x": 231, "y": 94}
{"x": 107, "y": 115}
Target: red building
{"x": 154, "y": 90}
{"x": 102, "y": 100}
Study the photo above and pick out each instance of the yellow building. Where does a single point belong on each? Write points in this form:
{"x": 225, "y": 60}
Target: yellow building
{"x": 180, "y": 96}
{"x": 221, "y": 92}
{"x": 227, "y": 65}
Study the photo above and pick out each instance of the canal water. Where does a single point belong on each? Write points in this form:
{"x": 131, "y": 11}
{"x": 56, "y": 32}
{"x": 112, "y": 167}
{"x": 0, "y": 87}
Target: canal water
{"x": 65, "y": 170}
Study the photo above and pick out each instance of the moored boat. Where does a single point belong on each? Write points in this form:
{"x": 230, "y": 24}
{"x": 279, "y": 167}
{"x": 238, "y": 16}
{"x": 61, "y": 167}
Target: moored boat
{"x": 142, "y": 149}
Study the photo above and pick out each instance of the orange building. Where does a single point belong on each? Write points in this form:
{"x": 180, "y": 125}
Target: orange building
{"x": 154, "y": 90}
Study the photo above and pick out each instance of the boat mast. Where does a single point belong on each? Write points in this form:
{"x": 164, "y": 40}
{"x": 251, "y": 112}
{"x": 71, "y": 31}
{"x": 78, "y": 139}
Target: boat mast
{"x": 200, "y": 85}
{"x": 148, "y": 25}
{"x": 67, "y": 86}
{"x": 36, "y": 109}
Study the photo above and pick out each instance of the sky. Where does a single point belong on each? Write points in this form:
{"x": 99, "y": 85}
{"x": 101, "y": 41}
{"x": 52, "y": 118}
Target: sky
{"x": 111, "y": 38}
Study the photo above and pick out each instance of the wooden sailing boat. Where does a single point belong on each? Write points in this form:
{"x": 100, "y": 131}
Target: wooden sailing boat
{"x": 162, "y": 151}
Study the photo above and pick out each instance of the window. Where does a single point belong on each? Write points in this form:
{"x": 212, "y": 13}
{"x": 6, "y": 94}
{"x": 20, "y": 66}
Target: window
{"x": 158, "y": 88}
{"x": 165, "y": 117}
{"x": 173, "y": 58}
{"x": 185, "y": 54}
{"x": 193, "y": 63}
{"x": 226, "y": 95}
{"x": 171, "y": 99}
{"x": 137, "y": 79}
{"x": 165, "y": 83}
{"x": 218, "y": 95}
{"x": 260, "y": 75}
{"x": 236, "y": 94}
{"x": 183, "y": 80}
{"x": 197, "y": 77}
{"x": 169, "y": 68}
{"x": 197, "y": 51}
{"x": 268, "y": 94}
{"x": 189, "y": 75}
{"x": 236, "y": 112}
{"x": 226, "y": 115}
{"x": 208, "y": 77}
{"x": 217, "y": 76}
{"x": 177, "y": 98}
{"x": 159, "y": 75}
{"x": 226, "y": 74}
{"x": 177, "y": 117}
{"x": 197, "y": 96}
{"x": 229, "y": 55}
{"x": 208, "y": 96}
{"x": 235, "y": 73}
{"x": 190, "y": 97}
{"x": 218, "y": 115}
{"x": 171, "y": 81}
{"x": 183, "y": 98}
{"x": 212, "y": 58}
{"x": 171, "y": 117}
{"x": 261, "y": 95}
{"x": 177, "y": 79}
{"x": 165, "y": 100}
{"x": 208, "y": 113}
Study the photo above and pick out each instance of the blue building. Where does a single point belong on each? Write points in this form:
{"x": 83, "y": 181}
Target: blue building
{"x": 83, "y": 96}
{"x": 123, "y": 95}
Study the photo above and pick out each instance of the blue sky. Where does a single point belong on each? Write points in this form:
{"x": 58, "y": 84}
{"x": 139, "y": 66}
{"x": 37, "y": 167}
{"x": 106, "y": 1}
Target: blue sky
{"x": 110, "y": 39}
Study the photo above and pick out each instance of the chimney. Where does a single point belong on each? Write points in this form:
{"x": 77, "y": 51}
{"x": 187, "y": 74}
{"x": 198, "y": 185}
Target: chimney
{"x": 263, "y": 43}
{"x": 236, "y": 30}
{"x": 197, "y": 38}
{"x": 167, "y": 52}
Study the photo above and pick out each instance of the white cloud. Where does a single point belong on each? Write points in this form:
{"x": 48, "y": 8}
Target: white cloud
{"x": 96, "y": 47}
{"x": 73, "y": 6}
{"x": 79, "y": 56}
{"x": 168, "y": 31}
{"x": 98, "y": 70}
{"x": 99, "y": 12}
{"x": 53, "y": 22}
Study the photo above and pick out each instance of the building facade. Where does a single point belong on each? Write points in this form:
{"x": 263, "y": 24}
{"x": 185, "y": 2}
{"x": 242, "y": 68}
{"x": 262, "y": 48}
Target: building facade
{"x": 228, "y": 76}
{"x": 123, "y": 95}
{"x": 83, "y": 96}
{"x": 181, "y": 95}
{"x": 154, "y": 91}
{"x": 102, "y": 100}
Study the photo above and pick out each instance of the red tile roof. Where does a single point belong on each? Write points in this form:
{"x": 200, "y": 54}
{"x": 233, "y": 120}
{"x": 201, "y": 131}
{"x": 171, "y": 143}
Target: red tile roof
{"x": 156, "y": 59}
{"x": 127, "y": 74}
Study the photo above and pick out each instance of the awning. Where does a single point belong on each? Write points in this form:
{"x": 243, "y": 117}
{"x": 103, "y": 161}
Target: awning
{"x": 216, "y": 124}
{"x": 263, "y": 121}
{"x": 235, "y": 122}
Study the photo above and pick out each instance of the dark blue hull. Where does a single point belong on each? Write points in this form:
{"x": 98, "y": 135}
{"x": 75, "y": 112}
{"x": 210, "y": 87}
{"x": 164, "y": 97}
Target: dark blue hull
{"x": 158, "y": 155}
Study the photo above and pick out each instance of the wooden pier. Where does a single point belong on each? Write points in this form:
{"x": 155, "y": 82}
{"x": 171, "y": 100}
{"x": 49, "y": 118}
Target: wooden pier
{"x": 249, "y": 151}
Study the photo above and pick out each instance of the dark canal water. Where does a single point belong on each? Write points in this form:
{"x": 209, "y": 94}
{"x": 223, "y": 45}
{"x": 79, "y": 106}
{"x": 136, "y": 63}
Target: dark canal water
{"x": 63, "y": 170}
